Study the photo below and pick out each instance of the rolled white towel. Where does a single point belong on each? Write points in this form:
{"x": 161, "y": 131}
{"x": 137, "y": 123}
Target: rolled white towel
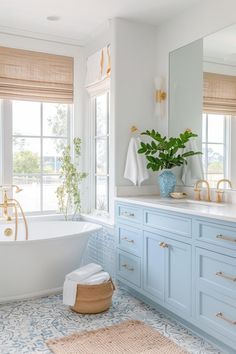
{"x": 84, "y": 272}
{"x": 70, "y": 286}
{"x": 96, "y": 279}
{"x": 69, "y": 292}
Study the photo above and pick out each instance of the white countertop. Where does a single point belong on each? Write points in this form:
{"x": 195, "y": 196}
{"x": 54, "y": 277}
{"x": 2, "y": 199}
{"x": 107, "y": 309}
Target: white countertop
{"x": 219, "y": 211}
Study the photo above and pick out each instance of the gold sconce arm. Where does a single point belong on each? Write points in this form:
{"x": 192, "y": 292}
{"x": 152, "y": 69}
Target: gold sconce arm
{"x": 160, "y": 96}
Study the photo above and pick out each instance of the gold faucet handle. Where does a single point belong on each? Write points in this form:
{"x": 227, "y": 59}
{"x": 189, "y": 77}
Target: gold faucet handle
{"x": 219, "y": 195}
{"x": 197, "y": 193}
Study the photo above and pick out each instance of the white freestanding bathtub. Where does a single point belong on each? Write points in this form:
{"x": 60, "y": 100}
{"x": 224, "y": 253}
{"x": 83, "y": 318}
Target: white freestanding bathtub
{"x": 38, "y": 266}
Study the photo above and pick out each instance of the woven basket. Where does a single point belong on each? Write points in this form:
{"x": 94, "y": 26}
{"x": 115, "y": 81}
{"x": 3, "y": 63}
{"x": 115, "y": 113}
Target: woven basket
{"x": 94, "y": 298}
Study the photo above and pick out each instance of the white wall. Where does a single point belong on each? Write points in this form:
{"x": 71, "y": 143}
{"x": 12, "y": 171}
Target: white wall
{"x": 200, "y": 20}
{"x": 133, "y": 67}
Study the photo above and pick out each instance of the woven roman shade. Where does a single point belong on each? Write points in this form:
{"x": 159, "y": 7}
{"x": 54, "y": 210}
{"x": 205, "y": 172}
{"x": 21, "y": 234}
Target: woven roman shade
{"x": 34, "y": 76}
{"x": 219, "y": 94}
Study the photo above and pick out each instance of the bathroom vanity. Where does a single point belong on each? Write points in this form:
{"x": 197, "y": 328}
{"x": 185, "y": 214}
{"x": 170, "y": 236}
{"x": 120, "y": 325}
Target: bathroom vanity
{"x": 181, "y": 255}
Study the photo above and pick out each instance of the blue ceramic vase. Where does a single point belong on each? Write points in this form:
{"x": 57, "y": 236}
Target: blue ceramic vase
{"x": 167, "y": 183}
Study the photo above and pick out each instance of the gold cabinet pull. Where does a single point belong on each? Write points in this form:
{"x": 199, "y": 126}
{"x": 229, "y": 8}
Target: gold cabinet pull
{"x": 127, "y": 214}
{"x": 226, "y": 238}
{"x": 127, "y": 240}
{"x": 163, "y": 245}
{"x": 223, "y": 275}
{"x": 223, "y": 317}
{"x": 127, "y": 267}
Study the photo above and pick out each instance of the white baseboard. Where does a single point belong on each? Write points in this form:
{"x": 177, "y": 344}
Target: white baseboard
{"x": 31, "y": 295}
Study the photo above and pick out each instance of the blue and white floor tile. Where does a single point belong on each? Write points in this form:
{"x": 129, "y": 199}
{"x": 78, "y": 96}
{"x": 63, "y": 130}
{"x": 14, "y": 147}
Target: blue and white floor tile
{"x": 26, "y": 325}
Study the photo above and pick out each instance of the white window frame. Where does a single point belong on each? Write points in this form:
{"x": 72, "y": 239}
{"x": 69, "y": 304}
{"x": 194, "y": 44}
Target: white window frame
{"x": 95, "y": 90}
{"x": 6, "y": 151}
{"x": 226, "y": 145}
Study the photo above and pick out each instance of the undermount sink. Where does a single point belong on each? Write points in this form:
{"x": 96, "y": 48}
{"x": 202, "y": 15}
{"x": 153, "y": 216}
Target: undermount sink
{"x": 189, "y": 202}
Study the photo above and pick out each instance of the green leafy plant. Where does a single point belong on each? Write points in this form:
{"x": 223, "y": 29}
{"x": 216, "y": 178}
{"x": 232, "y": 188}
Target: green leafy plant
{"x": 68, "y": 193}
{"x": 162, "y": 153}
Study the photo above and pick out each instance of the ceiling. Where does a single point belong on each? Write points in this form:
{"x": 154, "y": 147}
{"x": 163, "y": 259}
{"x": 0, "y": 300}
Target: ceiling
{"x": 80, "y": 19}
{"x": 221, "y": 46}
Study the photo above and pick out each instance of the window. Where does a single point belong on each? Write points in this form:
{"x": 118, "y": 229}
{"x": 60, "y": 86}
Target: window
{"x": 100, "y": 146}
{"x": 215, "y": 134}
{"x": 36, "y": 133}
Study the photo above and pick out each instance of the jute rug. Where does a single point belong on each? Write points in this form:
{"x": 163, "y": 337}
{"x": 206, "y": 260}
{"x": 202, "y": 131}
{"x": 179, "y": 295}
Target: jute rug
{"x": 131, "y": 337}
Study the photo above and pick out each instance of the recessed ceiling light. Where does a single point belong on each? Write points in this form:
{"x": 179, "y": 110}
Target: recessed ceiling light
{"x": 53, "y": 18}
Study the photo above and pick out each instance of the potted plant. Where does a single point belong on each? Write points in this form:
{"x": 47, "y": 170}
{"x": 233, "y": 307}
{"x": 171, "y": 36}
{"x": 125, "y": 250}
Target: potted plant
{"x": 68, "y": 193}
{"x": 164, "y": 154}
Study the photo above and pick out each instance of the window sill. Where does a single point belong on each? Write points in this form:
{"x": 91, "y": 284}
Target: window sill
{"x": 100, "y": 219}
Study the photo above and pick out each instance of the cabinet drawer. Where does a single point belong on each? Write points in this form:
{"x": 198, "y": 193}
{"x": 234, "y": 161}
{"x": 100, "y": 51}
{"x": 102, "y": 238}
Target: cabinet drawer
{"x": 214, "y": 233}
{"x": 217, "y": 314}
{"x": 129, "y": 267}
{"x": 129, "y": 239}
{"x": 168, "y": 222}
{"x": 216, "y": 270}
{"x": 128, "y": 213}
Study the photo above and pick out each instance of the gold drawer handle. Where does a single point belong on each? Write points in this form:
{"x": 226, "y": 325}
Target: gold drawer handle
{"x": 127, "y": 214}
{"x": 223, "y": 275}
{"x": 223, "y": 317}
{"x": 127, "y": 240}
{"x": 127, "y": 267}
{"x": 226, "y": 238}
{"x": 163, "y": 245}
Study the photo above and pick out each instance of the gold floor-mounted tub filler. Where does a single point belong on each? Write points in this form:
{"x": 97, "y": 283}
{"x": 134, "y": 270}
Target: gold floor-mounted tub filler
{"x": 10, "y": 211}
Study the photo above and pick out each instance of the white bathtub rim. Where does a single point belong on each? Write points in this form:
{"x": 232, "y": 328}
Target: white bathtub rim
{"x": 31, "y": 296}
{"x": 94, "y": 228}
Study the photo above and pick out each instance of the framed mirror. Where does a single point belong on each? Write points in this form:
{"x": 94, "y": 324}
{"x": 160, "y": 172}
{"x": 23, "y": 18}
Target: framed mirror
{"x": 202, "y": 97}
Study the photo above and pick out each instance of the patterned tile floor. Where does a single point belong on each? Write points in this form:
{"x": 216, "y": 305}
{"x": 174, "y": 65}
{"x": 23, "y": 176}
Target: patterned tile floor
{"x": 26, "y": 325}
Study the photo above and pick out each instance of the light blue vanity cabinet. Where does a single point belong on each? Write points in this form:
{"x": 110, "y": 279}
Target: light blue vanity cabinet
{"x": 153, "y": 265}
{"x": 167, "y": 265}
{"x": 182, "y": 262}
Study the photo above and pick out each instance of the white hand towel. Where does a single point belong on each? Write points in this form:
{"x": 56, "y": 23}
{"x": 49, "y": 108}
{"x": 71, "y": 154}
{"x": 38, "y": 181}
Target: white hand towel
{"x": 84, "y": 272}
{"x": 96, "y": 279}
{"x": 135, "y": 168}
{"x": 69, "y": 292}
{"x": 194, "y": 169}
{"x": 70, "y": 286}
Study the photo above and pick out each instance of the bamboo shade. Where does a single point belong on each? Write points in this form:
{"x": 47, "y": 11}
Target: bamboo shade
{"x": 219, "y": 94}
{"x": 34, "y": 76}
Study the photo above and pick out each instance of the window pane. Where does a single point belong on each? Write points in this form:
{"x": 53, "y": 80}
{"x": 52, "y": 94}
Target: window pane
{"x": 26, "y": 155}
{"x": 215, "y": 128}
{"x": 52, "y": 150}
{"x": 215, "y": 159}
{"x": 101, "y": 115}
{"x": 26, "y": 118}
{"x": 204, "y": 158}
{"x": 101, "y": 156}
{"x": 102, "y": 193}
{"x": 55, "y": 119}
{"x": 204, "y": 122}
{"x": 50, "y": 184}
{"x": 29, "y": 198}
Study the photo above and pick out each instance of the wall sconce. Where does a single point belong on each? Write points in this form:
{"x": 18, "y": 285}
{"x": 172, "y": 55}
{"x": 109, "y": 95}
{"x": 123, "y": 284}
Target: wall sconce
{"x": 160, "y": 96}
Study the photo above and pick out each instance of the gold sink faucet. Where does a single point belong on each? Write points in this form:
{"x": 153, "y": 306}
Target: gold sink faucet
{"x": 197, "y": 190}
{"x": 220, "y": 192}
